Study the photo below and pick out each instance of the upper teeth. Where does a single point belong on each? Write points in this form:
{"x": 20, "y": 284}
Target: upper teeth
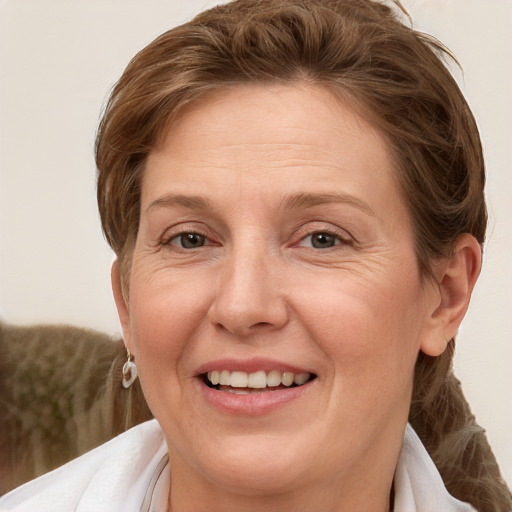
{"x": 259, "y": 379}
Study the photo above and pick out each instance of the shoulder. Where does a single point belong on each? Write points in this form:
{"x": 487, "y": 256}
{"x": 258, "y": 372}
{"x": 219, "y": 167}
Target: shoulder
{"x": 101, "y": 480}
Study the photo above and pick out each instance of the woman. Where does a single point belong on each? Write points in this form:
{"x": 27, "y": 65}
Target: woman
{"x": 294, "y": 191}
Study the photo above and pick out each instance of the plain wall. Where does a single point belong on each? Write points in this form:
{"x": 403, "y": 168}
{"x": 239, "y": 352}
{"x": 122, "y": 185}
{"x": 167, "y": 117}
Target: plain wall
{"x": 58, "y": 60}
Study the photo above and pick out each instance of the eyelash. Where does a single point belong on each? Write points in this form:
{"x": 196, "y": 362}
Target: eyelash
{"x": 167, "y": 241}
{"x": 338, "y": 239}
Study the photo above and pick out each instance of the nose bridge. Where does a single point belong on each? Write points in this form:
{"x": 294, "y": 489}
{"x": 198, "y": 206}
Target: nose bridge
{"x": 248, "y": 296}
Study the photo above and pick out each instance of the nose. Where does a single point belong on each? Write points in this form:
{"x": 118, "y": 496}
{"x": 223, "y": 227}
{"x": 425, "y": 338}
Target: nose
{"x": 249, "y": 297}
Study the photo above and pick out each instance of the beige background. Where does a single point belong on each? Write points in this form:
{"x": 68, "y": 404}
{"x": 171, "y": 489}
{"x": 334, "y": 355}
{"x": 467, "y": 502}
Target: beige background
{"x": 59, "y": 58}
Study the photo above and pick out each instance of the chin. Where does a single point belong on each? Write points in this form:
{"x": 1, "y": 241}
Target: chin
{"x": 271, "y": 476}
{"x": 253, "y": 464}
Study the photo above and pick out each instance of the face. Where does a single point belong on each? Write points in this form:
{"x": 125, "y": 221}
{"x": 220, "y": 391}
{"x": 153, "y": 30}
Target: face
{"x": 275, "y": 247}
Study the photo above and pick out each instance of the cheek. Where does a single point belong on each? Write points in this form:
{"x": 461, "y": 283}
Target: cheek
{"x": 165, "y": 315}
{"x": 369, "y": 329}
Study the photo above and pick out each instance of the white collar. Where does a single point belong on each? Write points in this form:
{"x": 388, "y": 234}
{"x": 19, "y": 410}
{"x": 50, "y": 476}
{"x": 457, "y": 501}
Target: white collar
{"x": 418, "y": 484}
{"x": 116, "y": 476}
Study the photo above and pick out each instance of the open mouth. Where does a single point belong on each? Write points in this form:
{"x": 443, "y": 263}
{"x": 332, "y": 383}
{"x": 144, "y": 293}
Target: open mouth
{"x": 243, "y": 383}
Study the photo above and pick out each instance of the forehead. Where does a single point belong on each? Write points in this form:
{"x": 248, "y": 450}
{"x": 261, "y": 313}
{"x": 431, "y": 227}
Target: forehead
{"x": 250, "y": 138}
{"x": 259, "y": 113}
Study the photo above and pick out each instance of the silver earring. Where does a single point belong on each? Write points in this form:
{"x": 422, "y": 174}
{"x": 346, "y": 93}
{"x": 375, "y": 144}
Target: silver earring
{"x": 129, "y": 371}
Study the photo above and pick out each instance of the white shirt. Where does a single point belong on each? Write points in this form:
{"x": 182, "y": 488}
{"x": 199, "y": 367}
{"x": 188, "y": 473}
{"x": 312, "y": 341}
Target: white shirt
{"x": 131, "y": 473}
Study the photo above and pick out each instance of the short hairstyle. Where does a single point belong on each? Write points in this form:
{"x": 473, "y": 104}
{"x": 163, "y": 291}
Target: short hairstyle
{"x": 395, "y": 75}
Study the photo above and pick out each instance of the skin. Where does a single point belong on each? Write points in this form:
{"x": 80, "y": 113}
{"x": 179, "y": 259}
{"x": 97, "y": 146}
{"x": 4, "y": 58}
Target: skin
{"x": 355, "y": 314}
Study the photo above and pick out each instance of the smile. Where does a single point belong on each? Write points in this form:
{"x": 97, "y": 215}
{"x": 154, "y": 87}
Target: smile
{"x": 239, "y": 382}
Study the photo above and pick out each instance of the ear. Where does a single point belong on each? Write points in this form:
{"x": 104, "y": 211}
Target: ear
{"x": 455, "y": 278}
{"x": 121, "y": 304}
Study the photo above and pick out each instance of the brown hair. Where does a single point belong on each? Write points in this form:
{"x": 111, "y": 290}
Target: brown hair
{"x": 361, "y": 49}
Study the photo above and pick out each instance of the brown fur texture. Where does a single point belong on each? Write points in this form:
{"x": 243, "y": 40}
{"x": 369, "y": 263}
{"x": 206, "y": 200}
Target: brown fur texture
{"x": 60, "y": 396}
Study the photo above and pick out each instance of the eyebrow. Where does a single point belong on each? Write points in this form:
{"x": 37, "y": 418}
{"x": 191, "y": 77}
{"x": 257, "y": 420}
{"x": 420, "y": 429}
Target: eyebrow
{"x": 305, "y": 200}
{"x": 170, "y": 200}
{"x": 290, "y": 202}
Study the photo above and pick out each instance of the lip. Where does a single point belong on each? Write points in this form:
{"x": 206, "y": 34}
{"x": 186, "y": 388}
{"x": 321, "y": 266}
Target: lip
{"x": 253, "y": 404}
{"x": 249, "y": 366}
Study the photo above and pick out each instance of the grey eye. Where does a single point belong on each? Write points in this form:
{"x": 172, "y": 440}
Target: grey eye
{"x": 190, "y": 240}
{"x": 323, "y": 240}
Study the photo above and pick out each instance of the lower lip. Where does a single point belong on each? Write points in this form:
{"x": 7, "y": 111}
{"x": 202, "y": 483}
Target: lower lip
{"x": 252, "y": 404}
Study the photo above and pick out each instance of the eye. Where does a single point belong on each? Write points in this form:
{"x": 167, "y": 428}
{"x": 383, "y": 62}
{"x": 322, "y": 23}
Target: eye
{"x": 188, "y": 240}
{"x": 321, "y": 240}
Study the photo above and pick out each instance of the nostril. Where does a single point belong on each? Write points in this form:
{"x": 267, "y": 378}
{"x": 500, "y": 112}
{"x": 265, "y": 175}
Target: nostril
{"x": 243, "y": 307}
{"x": 244, "y": 331}
{"x": 260, "y": 325}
